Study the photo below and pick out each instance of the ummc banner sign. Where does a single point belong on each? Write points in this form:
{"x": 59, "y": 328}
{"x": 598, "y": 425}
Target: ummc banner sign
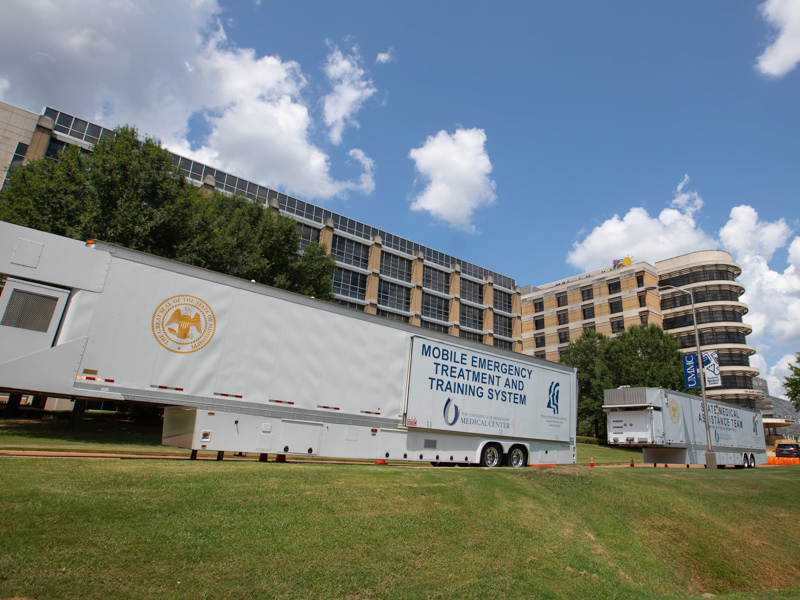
{"x": 690, "y": 374}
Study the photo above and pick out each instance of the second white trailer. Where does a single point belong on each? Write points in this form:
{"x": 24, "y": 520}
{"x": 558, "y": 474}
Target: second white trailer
{"x": 670, "y": 428}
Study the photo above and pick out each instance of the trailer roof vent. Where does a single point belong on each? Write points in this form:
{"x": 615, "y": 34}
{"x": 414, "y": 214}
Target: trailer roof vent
{"x": 31, "y": 311}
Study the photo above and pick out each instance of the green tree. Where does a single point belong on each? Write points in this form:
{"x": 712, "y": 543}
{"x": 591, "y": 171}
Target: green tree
{"x": 643, "y": 356}
{"x": 586, "y": 355}
{"x": 640, "y": 356}
{"x": 128, "y": 192}
{"x": 791, "y": 383}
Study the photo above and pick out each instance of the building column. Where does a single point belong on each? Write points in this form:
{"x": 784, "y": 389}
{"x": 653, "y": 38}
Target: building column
{"x": 488, "y": 312}
{"x": 374, "y": 277}
{"x": 516, "y": 326}
{"x": 209, "y": 184}
{"x": 417, "y": 269}
{"x": 40, "y": 140}
{"x": 455, "y": 301}
{"x": 326, "y": 235}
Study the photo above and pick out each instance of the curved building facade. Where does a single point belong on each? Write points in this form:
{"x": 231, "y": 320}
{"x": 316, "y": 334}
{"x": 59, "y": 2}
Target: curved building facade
{"x": 711, "y": 277}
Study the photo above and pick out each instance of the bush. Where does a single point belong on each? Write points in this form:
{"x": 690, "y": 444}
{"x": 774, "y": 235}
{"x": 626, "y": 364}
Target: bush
{"x": 582, "y": 439}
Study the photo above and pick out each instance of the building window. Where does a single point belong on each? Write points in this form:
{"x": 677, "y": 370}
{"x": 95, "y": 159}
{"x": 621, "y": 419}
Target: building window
{"x": 504, "y": 344}
{"x": 350, "y": 252}
{"x": 588, "y": 312}
{"x": 615, "y": 305}
{"x": 640, "y": 280}
{"x": 434, "y": 326}
{"x": 643, "y": 318}
{"x": 436, "y": 280}
{"x": 561, "y": 299}
{"x": 699, "y": 276}
{"x": 617, "y": 325}
{"x": 539, "y": 341}
{"x": 538, "y": 323}
{"x": 349, "y": 283}
{"x": 614, "y": 287}
{"x": 308, "y": 234}
{"x": 587, "y": 294}
{"x": 700, "y": 296}
{"x": 706, "y": 316}
{"x": 347, "y": 304}
{"x": 541, "y": 355}
{"x": 563, "y": 317}
{"x": 392, "y": 315}
{"x": 395, "y": 267}
{"x": 435, "y": 307}
{"x": 642, "y": 300}
{"x": 589, "y": 327}
{"x": 394, "y": 296}
{"x": 471, "y": 317}
{"x": 469, "y": 335}
{"x": 561, "y": 353}
{"x": 503, "y": 325}
{"x": 502, "y": 301}
{"x": 563, "y": 336}
{"x": 471, "y": 291}
{"x": 538, "y": 305}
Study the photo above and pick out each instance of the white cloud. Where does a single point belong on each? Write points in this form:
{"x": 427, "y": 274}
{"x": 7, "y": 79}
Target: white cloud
{"x": 773, "y": 296}
{"x": 385, "y": 57}
{"x": 783, "y": 54}
{"x": 775, "y": 374}
{"x": 457, "y": 169}
{"x": 351, "y": 88}
{"x": 90, "y": 58}
{"x": 643, "y": 237}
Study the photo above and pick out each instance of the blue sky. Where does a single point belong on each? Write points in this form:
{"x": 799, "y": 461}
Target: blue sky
{"x": 538, "y": 139}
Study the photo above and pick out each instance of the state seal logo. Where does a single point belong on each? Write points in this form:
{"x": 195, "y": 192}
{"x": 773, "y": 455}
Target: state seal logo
{"x": 183, "y": 324}
{"x": 674, "y": 412}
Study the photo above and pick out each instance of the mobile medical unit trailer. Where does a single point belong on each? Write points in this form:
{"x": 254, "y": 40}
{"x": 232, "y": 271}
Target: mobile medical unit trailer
{"x": 670, "y": 428}
{"x": 250, "y": 368}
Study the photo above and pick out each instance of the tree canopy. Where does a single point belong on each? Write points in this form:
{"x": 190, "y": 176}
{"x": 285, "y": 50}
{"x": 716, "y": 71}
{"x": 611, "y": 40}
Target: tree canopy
{"x": 128, "y": 192}
{"x": 791, "y": 383}
{"x": 640, "y": 356}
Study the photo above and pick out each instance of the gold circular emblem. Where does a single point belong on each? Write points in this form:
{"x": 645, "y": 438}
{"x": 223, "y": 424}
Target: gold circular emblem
{"x": 183, "y": 324}
{"x": 674, "y": 412}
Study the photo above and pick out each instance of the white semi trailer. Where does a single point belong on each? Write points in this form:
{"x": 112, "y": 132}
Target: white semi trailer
{"x": 670, "y": 428}
{"x": 249, "y": 368}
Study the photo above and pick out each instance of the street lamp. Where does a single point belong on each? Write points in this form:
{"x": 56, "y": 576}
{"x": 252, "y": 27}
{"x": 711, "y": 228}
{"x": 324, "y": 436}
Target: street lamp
{"x": 711, "y": 457}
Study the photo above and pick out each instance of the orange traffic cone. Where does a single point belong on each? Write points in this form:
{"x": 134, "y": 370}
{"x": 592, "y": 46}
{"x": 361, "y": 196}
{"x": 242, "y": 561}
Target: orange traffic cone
{"x": 591, "y": 460}
{"x": 631, "y": 461}
{"x": 380, "y": 461}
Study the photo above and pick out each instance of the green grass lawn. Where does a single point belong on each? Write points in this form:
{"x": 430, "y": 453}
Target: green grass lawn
{"x": 72, "y": 528}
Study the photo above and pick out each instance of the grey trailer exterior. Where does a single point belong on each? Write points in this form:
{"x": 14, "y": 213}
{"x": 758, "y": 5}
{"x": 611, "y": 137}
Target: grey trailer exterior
{"x": 670, "y": 428}
{"x": 246, "y": 367}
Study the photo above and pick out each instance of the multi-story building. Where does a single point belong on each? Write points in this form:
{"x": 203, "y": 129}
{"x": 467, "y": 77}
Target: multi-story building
{"x": 376, "y": 271}
{"x": 607, "y": 300}
{"x": 612, "y": 299}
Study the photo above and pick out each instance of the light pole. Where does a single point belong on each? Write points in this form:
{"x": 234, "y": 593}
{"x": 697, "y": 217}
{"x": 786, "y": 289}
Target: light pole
{"x": 711, "y": 457}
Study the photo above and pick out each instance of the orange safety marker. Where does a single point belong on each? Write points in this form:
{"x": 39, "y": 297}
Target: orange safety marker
{"x": 631, "y": 461}
{"x": 591, "y": 460}
{"x": 380, "y": 461}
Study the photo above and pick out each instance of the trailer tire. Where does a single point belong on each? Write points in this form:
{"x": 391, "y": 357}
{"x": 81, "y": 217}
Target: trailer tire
{"x": 752, "y": 461}
{"x": 517, "y": 457}
{"x": 491, "y": 455}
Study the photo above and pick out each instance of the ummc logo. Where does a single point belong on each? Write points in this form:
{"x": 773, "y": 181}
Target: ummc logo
{"x": 447, "y": 420}
{"x": 552, "y": 396}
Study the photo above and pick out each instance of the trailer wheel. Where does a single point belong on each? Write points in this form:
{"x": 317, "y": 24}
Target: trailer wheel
{"x": 517, "y": 457}
{"x": 491, "y": 455}
{"x": 752, "y": 461}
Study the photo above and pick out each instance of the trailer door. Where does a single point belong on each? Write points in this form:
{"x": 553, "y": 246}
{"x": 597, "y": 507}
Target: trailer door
{"x": 31, "y": 313}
